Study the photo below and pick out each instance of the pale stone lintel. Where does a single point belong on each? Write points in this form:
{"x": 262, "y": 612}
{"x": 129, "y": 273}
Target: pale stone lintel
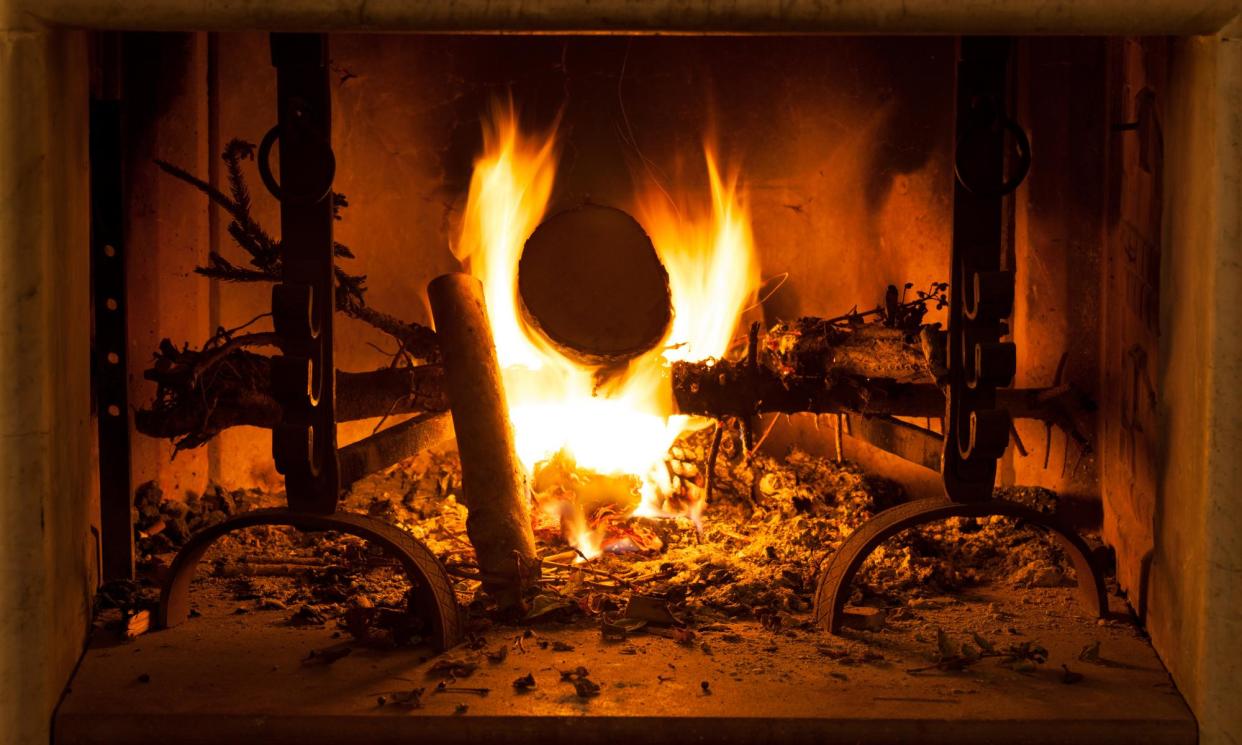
{"x": 16, "y": 19}
{"x": 1114, "y": 17}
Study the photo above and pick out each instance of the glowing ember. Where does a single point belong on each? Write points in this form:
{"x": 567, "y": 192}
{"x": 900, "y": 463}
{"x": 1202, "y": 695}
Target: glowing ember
{"x": 572, "y": 436}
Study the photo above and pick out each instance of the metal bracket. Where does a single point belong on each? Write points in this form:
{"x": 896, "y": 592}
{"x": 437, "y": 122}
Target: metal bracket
{"x": 109, "y": 350}
{"x": 303, "y": 304}
{"x": 432, "y": 596}
{"x": 980, "y": 293}
{"x": 917, "y": 445}
{"x": 838, "y": 573}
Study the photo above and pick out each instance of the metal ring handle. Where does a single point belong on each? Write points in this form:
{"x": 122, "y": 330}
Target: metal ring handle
{"x": 265, "y": 172}
{"x": 1022, "y": 167}
{"x": 432, "y": 597}
{"x": 838, "y": 571}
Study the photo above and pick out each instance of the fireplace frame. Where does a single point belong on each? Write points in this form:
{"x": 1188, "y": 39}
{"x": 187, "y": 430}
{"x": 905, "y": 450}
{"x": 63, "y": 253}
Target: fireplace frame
{"x": 48, "y": 471}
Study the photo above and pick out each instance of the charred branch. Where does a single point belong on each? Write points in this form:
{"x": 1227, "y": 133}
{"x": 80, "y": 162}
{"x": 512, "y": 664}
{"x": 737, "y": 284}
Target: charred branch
{"x": 201, "y": 393}
{"x": 197, "y": 401}
{"x": 723, "y": 388}
{"x": 821, "y": 349}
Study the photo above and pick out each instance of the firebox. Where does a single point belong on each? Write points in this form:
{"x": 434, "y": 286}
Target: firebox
{"x": 585, "y": 373}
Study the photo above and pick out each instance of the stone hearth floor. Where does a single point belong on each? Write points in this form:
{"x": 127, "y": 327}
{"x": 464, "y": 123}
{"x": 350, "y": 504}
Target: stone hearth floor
{"x": 235, "y": 678}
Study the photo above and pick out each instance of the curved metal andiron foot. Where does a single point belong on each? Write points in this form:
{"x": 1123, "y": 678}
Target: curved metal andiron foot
{"x": 838, "y": 573}
{"x": 432, "y": 597}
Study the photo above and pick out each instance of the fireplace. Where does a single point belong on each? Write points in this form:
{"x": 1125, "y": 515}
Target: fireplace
{"x": 712, "y": 385}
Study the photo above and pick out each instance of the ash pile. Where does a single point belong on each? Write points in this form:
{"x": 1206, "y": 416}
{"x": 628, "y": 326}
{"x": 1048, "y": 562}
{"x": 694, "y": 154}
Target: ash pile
{"x": 753, "y": 553}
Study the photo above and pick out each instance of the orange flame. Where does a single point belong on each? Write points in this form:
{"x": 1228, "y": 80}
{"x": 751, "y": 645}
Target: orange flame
{"x": 628, "y": 427}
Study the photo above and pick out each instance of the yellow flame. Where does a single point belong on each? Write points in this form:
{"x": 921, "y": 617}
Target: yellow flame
{"x": 508, "y": 196}
{"x": 712, "y": 270}
{"x": 627, "y": 427}
{"x": 588, "y": 542}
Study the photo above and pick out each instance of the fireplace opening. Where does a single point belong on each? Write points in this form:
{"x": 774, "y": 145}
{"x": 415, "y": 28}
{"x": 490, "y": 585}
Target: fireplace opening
{"x": 569, "y": 388}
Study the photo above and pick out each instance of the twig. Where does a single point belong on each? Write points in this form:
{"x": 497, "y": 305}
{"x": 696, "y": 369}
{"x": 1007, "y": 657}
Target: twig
{"x": 1017, "y": 439}
{"x": 783, "y": 277}
{"x": 709, "y": 480}
{"x": 766, "y": 432}
{"x": 461, "y": 573}
{"x": 222, "y": 269}
{"x": 587, "y": 570}
{"x": 212, "y": 357}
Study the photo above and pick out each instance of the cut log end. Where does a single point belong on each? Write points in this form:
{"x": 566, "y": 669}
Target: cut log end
{"x": 591, "y": 282}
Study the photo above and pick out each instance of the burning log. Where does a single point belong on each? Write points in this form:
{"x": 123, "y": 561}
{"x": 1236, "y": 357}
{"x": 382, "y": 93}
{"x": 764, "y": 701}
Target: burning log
{"x": 494, "y": 488}
{"x": 824, "y": 349}
{"x": 846, "y": 365}
{"x": 819, "y": 369}
{"x": 200, "y": 394}
{"x": 591, "y": 282}
{"x": 723, "y": 388}
{"x": 813, "y": 365}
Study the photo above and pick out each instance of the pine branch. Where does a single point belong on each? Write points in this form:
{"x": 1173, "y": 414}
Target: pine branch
{"x": 264, "y": 251}
{"x": 234, "y": 152}
{"x": 221, "y": 268}
{"x": 417, "y": 340}
{"x": 212, "y": 192}
{"x": 221, "y": 385}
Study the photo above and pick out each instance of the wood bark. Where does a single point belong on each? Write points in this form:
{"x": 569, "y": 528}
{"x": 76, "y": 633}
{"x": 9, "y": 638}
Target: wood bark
{"x": 724, "y": 388}
{"x": 813, "y": 347}
{"x": 590, "y": 281}
{"x": 807, "y": 367}
{"x": 493, "y": 482}
{"x": 715, "y": 389}
{"x": 244, "y": 397}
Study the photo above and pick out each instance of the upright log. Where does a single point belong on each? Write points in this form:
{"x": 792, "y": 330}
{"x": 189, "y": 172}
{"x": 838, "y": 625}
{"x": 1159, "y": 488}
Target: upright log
{"x": 493, "y": 484}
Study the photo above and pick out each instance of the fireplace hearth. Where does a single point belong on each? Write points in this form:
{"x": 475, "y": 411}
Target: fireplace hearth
{"x": 588, "y": 381}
